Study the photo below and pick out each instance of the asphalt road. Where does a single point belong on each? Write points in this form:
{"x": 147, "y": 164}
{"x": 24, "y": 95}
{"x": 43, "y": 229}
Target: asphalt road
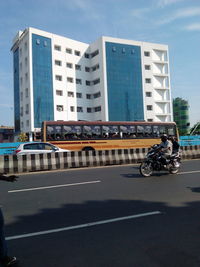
{"x": 104, "y": 217}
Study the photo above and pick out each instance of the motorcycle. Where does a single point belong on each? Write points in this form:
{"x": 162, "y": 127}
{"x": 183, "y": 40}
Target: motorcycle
{"x": 153, "y": 162}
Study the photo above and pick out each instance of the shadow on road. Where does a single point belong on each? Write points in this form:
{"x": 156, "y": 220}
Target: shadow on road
{"x": 171, "y": 239}
{"x": 194, "y": 189}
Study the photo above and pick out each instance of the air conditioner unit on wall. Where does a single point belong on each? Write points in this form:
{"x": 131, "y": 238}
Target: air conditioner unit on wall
{"x": 59, "y": 109}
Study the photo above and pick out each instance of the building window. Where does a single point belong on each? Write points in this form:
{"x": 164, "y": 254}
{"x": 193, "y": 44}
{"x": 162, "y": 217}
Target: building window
{"x": 27, "y": 108}
{"x": 97, "y": 95}
{"x": 147, "y": 67}
{"x": 70, "y": 79}
{"x": 77, "y": 53}
{"x": 79, "y": 95}
{"x": 95, "y": 53}
{"x": 79, "y": 109}
{"x": 149, "y": 107}
{"x": 27, "y": 123}
{"x": 58, "y": 63}
{"x": 150, "y": 120}
{"x": 21, "y": 96}
{"x": 69, "y": 65}
{"x": 58, "y": 78}
{"x": 78, "y": 81}
{"x": 70, "y": 94}
{"x": 78, "y": 67}
{"x": 148, "y": 94}
{"x": 37, "y": 41}
{"x": 59, "y": 92}
{"x": 59, "y": 108}
{"x": 57, "y": 47}
{"x": 96, "y": 81}
{"x": 88, "y": 96}
{"x": 26, "y": 61}
{"x": 114, "y": 49}
{"x": 26, "y": 92}
{"x": 123, "y": 50}
{"x": 68, "y": 50}
{"x": 87, "y": 83}
{"x": 87, "y": 69}
{"x": 26, "y": 77}
{"x": 146, "y": 53}
{"x": 89, "y": 110}
{"x": 25, "y": 46}
{"x": 87, "y": 55}
{"x": 96, "y": 67}
{"x": 21, "y": 111}
{"x": 72, "y": 109}
{"x": 147, "y": 80}
{"x": 97, "y": 109}
{"x": 45, "y": 43}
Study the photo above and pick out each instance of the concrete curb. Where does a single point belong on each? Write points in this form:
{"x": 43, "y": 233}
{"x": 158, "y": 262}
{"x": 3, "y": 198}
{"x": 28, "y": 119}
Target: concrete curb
{"x": 77, "y": 159}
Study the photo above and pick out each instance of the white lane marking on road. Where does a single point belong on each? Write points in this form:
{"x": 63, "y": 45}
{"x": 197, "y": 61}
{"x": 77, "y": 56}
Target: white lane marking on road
{"x": 53, "y": 186}
{"x": 188, "y": 172}
{"x": 83, "y": 225}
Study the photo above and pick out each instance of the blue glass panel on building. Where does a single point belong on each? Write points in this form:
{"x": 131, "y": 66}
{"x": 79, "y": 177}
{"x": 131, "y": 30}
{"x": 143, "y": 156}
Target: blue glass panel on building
{"x": 124, "y": 82}
{"x": 42, "y": 80}
{"x": 16, "y": 90}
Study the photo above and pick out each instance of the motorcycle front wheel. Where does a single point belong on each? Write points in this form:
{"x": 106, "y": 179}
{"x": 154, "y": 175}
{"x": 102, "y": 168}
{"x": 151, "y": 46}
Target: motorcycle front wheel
{"x": 146, "y": 169}
{"x": 173, "y": 169}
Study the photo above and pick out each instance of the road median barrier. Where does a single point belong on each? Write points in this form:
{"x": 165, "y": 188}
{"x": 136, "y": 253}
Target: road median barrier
{"x": 77, "y": 159}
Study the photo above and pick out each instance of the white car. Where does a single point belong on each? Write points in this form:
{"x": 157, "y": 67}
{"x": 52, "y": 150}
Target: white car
{"x": 37, "y": 148}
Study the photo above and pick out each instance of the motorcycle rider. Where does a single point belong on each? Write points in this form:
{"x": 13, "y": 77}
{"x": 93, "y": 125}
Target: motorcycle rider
{"x": 165, "y": 148}
{"x": 175, "y": 144}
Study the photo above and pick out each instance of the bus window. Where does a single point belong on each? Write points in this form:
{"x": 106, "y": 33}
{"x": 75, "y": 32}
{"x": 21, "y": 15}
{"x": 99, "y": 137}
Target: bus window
{"x": 140, "y": 130}
{"x": 113, "y": 131}
{"x": 50, "y": 134}
{"x": 158, "y": 130}
{"x": 148, "y": 130}
{"x": 163, "y": 129}
{"x": 54, "y": 132}
{"x": 87, "y": 131}
{"x": 128, "y": 131}
{"x": 171, "y": 131}
{"x": 110, "y": 131}
{"x": 71, "y": 132}
{"x": 96, "y": 131}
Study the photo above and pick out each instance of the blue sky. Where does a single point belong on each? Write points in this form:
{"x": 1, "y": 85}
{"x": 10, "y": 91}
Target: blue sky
{"x": 172, "y": 22}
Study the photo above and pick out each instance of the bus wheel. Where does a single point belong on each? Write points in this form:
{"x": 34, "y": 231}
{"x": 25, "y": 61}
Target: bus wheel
{"x": 88, "y": 148}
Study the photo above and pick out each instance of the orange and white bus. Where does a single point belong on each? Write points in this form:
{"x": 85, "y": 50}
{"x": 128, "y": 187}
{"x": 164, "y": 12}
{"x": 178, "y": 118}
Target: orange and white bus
{"x": 99, "y": 135}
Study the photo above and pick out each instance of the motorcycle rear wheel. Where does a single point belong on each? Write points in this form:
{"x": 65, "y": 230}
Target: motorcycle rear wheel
{"x": 146, "y": 169}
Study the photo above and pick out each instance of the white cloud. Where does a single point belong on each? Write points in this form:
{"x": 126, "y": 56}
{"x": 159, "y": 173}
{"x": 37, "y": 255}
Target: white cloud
{"x": 180, "y": 14}
{"x": 193, "y": 27}
{"x": 87, "y": 7}
{"x": 163, "y": 3}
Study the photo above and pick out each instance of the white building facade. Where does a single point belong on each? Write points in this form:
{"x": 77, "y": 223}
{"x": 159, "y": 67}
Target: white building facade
{"x": 57, "y": 78}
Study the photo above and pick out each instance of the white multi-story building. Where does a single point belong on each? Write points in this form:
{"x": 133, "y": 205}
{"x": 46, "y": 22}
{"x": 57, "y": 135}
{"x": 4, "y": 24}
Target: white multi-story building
{"x": 57, "y": 78}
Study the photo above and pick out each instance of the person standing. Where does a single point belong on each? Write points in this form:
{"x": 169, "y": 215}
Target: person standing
{"x": 5, "y": 260}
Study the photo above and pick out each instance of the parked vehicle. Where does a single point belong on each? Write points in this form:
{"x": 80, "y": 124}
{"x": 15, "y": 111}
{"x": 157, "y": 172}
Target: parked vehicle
{"x": 153, "y": 162}
{"x": 37, "y": 148}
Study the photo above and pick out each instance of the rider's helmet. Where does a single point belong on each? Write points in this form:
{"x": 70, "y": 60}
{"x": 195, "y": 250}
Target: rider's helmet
{"x": 164, "y": 138}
